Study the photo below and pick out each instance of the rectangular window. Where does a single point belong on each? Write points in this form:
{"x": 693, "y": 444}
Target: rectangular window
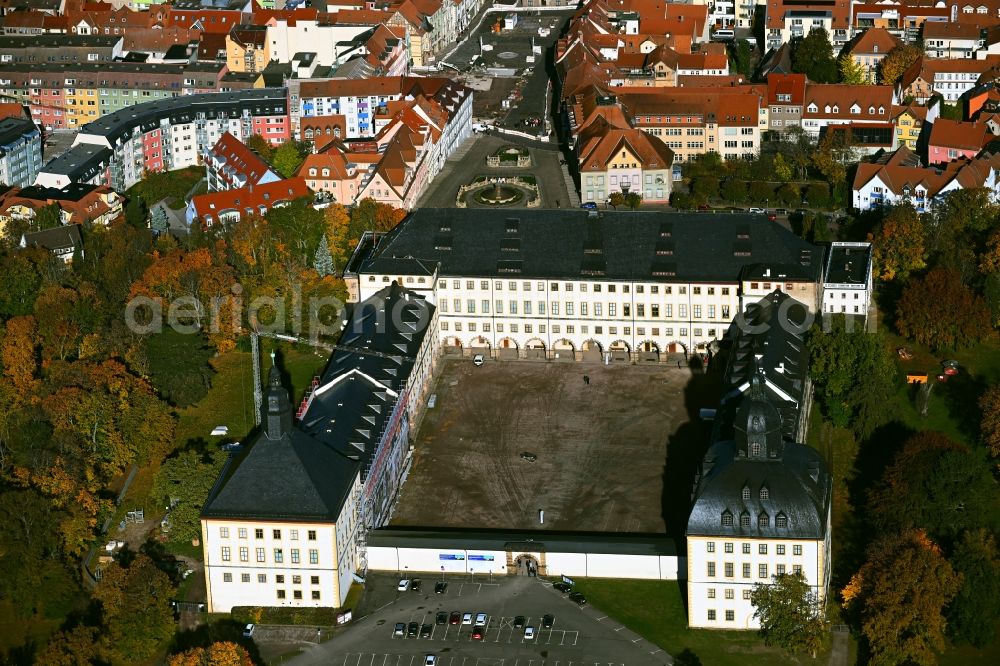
{"x": 295, "y": 555}
{"x": 796, "y": 550}
{"x": 730, "y": 615}
{"x": 242, "y": 532}
{"x": 486, "y": 307}
{"x": 260, "y": 554}
{"x": 746, "y": 569}
{"x": 312, "y": 535}
{"x": 729, "y": 570}
{"x": 711, "y": 616}
{"x": 314, "y": 580}
{"x": 762, "y": 549}
{"x": 746, "y": 549}
{"x": 258, "y": 533}
{"x": 781, "y": 548}
{"x": 746, "y": 594}
{"x": 711, "y": 593}
{"x": 280, "y": 579}
{"x": 244, "y": 554}
{"x": 296, "y": 580}
{"x": 227, "y": 578}
{"x": 279, "y": 556}
{"x": 761, "y": 571}
{"x": 224, "y": 532}
{"x": 729, "y": 546}
{"x": 640, "y": 310}
{"x": 612, "y": 309}
{"x": 710, "y": 546}
{"x": 226, "y": 554}
{"x": 797, "y": 569}
{"x": 281, "y": 594}
{"x": 297, "y": 594}
{"x": 245, "y": 577}
{"x": 513, "y": 307}
{"x": 569, "y": 309}
{"x": 499, "y": 307}
{"x": 315, "y": 595}
{"x": 276, "y": 534}
{"x": 781, "y": 569}
{"x": 293, "y": 535}
{"x": 555, "y": 309}
{"x": 527, "y": 307}
{"x": 697, "y": 311}
{"x": 711, "y": 569}
{"x": 583, "y": 309}
{"x": 261, "y": 578}
{"x": 729, "y": 593}
{"x": 313, "y": 556}
{"x": 668, "y": 311}
{"x": 457, "y": 305}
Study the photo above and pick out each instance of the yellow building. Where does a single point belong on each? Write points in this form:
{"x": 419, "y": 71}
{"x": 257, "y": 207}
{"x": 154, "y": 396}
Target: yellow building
{"x": 247, "y": 49}
{"x": 909, "y": 122}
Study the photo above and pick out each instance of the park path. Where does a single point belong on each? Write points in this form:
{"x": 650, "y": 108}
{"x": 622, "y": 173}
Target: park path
{"x": 838, "y": 653}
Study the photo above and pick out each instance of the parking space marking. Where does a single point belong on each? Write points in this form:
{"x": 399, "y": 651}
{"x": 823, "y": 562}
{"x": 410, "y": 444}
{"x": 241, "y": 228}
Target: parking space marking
{"x": 602, "y": 618}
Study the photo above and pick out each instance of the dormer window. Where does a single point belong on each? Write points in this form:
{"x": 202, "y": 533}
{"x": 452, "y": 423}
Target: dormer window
{"x": 875, "y": 49}
{"x": 746, "y": 492}
{"x": 763, "y": 520}
{"x": 812, "y": 107}
{"x": 826, "y": 109}
{"x": 871, "y": 110}
{"x": 781, "y": 521}
{"x": 836, "y": 109}
{"x": 727, "y": 518}
{"x": 764, "y": 493}
{"x": 881, "y": 110}
{"x": 745, "y": 519}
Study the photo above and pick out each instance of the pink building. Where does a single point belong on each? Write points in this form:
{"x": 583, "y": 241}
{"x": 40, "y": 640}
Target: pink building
{"x": 952, "y": 139}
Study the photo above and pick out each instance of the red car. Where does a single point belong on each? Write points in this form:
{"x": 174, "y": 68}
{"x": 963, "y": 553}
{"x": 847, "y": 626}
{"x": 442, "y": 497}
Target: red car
{"x": 771, "y": 217}
{"x": 477, "y": 633}
{"x": 455, "y": 618}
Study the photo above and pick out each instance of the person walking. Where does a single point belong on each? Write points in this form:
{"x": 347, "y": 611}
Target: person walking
{"x": 586, "y": 380}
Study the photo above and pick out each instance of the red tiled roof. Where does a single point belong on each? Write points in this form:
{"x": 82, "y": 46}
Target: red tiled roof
{"x": 253, "y": 199}
{"x": 786, "y": 84}
{"x": 960, "y": 135}
{"x": 240, "y": 159}
{"x": 837, "y": 100}
{"x": 876, "y": 40}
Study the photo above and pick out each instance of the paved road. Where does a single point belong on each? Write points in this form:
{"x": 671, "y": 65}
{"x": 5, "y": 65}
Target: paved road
{"x": 579, "y": 636}
{"x": 470, "y": 161}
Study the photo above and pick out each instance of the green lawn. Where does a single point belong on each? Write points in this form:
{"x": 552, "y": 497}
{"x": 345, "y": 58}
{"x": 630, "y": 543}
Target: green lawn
{"x": 167, "y": 185}
{"x": 655, "y": 610}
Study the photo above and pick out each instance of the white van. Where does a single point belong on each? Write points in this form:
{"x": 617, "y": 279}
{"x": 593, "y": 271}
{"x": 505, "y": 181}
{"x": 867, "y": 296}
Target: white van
{"x": 723, "y": 35}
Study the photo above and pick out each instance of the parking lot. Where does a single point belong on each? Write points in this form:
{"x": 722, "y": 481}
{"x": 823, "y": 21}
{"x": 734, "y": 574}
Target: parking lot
{"x": 578, "y": 635}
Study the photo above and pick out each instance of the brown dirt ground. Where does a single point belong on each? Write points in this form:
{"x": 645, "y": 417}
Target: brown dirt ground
{"x": 602, "y": 448}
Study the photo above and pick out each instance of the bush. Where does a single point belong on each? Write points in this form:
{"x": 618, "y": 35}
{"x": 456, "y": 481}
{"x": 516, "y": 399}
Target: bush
{"x": 760, "y": 192}
{"x": 733, "y": 190}
{"x": 681, "y": 201}
{"x": 818, "y": 195}
{"x": 789, "y": 194}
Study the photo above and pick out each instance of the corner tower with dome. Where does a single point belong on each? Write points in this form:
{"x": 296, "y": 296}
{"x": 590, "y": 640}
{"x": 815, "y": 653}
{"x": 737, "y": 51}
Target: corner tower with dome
{"x": 761, "y": 499}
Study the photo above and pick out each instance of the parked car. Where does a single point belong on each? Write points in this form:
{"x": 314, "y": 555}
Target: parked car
{"x": 578, "y": 598}
{"x": 466, "y": 618}
{"x": 404, "y": 585}
{"x": 781, "y": 211}
{"x": 529, "y": 633}
{"x": 771, "y": 217}
{"x": 518, "y": 621}
{"x": 562, "y": 587}
{"x": 455, "y": 617}
{"x": 756, "y": 211}
{"x": 441, "y": 618}
{"x": 399, "y": 630}
{"x": 588, "y": 205}
{"x": 412, "y": 629}
{"x": 704, "y": 206}
{"x": 440, "y": 587}
{"x": 425, "y": 631}
{"x": 430, "y": 660}
{"x": 248, "y": 630}
{"x": 548, "y": 620}
{"x": 478, "y": 632}
{"x": 415, "y": 585}
{"x": 480, "y": 619}
{"x": 478, "y": 360}
{"x": 528, "y": 456}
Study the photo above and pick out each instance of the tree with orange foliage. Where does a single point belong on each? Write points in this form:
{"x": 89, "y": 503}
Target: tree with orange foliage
{"x": 898, "y": 244}
{"x": 900, "y": 594}
{"x": 989, "y": 428}
{"x": 940, "y": 311}
{"x": 223, "y": 653}
{"x": 135, "y": 601}
{"x": 73, "y": 647}
{"x": 19, "y": 355}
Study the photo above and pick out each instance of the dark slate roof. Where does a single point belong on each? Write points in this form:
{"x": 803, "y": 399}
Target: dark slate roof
{"x": 358, "y": 390}
{"x": 792, "y": 490}
{"x": 185, "y": 108}
{"x": 848, "y": 265}
{"x": 768, "y": 341}
{"x": 549, "y": 541}
{"x": 57, "y": 238}
{"x": 13, "y": 130}
{"x": 61, "y": 40}
{"x": 570, "y": 244}
{"x": 766, "y": 381}
{"x": 72, "y": 192}
{"x": 81, "y": 162}
{"x": 293, "y": 478}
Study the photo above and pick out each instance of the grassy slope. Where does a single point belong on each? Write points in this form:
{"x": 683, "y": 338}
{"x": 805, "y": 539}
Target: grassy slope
{"x": 655, "y": 610}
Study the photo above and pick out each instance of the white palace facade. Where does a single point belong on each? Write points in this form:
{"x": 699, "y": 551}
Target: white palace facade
{"x": 578, "y": 285}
